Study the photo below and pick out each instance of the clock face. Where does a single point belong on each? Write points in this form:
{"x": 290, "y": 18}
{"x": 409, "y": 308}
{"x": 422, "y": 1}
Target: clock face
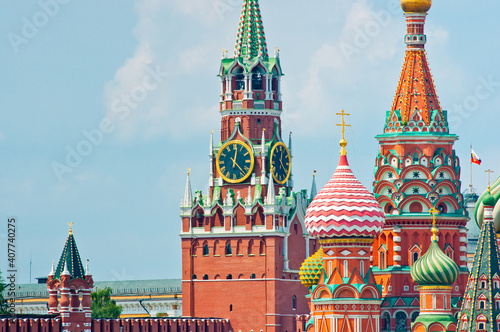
{"x": 280, "y": 163}
{"x": 235, "y": 161}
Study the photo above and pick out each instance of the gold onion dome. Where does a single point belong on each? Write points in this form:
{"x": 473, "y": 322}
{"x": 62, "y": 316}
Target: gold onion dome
{"x": 434, "y": 268}
{"x": 416, "y": 6}
{"x": 310, "y": 270}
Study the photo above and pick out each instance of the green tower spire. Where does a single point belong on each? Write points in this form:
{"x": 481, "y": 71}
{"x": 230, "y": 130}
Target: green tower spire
{"x": 70, "y": 259}
{"x": 479, "y": 308}
{"x": 251, "y": 40}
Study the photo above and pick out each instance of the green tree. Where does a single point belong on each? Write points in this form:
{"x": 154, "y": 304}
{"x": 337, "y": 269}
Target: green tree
{"x": 102, "y": 306}
{"x": 3, "y": 302}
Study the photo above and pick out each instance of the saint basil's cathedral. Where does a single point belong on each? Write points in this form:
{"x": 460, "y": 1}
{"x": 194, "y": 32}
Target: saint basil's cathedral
{"x": 260, "y": 256}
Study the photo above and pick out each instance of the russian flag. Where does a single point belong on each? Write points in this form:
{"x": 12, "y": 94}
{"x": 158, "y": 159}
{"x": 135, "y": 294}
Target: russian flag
{"x": 474, "y": 157}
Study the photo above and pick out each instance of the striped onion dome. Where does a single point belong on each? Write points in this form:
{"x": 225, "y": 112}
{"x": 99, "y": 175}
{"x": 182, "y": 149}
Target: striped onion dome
{"x": 485, "y": 199}
{"x": 310, "y": 270}
{"x": 344, "y": 207}
{"x": 434, "y": 268}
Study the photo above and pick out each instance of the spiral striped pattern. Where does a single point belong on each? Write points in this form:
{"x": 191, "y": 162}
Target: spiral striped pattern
{"x": 344, "y": 208}
{"x": 434, "y": 268}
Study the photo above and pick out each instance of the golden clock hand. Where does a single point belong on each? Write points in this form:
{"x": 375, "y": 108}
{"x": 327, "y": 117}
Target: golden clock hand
{"x": 235, "y": 155}
{"x": 234, "y": 161}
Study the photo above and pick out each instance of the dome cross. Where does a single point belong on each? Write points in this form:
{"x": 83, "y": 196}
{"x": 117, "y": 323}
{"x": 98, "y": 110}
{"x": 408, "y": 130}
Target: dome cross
{"x": 343, "y": 142}
{"x": 489, "y": 171}
{"x": 434, "y": 229}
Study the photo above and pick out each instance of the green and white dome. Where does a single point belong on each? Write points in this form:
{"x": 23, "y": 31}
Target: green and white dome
{"x": 495, "y": 192}
{"x": 434, "y": 268}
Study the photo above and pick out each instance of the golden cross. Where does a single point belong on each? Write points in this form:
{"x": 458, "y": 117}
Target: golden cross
{"x": 489, "y": 171}
{"x": 70, "y": 224}
{"x": 434, "y": 229}
{"x": 189, "y": 170}
{"x": 343, "y": 124}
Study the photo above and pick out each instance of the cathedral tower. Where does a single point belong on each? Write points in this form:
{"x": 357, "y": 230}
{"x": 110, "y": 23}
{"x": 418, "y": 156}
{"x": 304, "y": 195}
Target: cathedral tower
{"x": 416, "y": 170}
{"x": 342, "y": 289}
{"x": 244, "y": 239}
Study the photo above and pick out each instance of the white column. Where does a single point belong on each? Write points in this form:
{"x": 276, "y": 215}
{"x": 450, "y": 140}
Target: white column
{"x": 285, "y": 251}
{"x": 248, "y": 86}
{"x": 269, "y": 80}
{"x": 229, "y": 92}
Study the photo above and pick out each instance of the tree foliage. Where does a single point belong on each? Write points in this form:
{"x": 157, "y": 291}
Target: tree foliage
{"x": 3, "y": 301}
{"x": 103, "y": 306}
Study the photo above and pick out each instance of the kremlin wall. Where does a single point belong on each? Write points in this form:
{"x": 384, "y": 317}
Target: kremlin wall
{"x": 259, "y": 256}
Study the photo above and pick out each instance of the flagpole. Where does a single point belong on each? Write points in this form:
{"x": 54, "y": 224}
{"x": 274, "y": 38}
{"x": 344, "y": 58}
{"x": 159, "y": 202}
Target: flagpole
{"x": 470, "y": 168}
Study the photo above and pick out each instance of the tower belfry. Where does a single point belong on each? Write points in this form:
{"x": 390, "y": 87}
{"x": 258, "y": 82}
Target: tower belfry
{"x": 244, "y": 239}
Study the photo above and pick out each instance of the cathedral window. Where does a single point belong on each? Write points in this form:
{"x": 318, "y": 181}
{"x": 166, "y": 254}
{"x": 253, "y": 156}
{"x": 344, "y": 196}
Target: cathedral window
{"x": 416, "y": 158}
{"x": 414, "y": 316}
{"x": 205, "y": 277}
{"x": 294, "y": 302}
{"x": 482, "y": 304}
{"x": 229, "y": 251}
{"x": 252, "y": 276}
{"x": 382, "y": 262}
{"x": 480, "y": 326}
{"x": 262, "y": 249}
{"x": 259, "y": 121}
{"x": 483, "y": 284}
{"x": 216, "y": 248}
{"x": 401, "y": 321}
{"x": 229, "y": 276}
{"x": 194, "y": 277}
{"x": 442, "y": 208}
{"x": 495, "y": 284}
{"x": 205, "y": 249}
{"x": 386, "y": 322}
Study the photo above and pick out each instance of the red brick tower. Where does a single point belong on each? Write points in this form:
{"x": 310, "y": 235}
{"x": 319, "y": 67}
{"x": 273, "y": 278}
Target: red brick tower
{"x": 72, "y": 282}
{"x": 244, "y": 240}
{"x": 416, "y": 170}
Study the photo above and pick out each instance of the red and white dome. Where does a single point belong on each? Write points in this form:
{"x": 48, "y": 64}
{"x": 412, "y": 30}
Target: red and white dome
{"x": 344, "y": 208}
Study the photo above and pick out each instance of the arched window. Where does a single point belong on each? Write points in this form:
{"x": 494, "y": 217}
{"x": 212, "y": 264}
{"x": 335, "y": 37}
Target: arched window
{"x": 414, "y": 316}
{"x": 346, "y": 269}
{"x": 230, "y": 307}
{"x": 229, "y": 276}
{"x": 294, "y": 302}
{"x": 416, "y": 158}
{"x": 362, "y": 268}
{"x": 250, "y": 247}
{"x": 416, "y": 207}
{"x": 205, "y": 277}
{"x": 482, "y": 304}
{"x": 401, "y": 321}
{"x": 386, "y": 322}
{"x": 382, "y": 264}
{"x": 480, "y": 326}
{"x": 239, "y": 78}
{"x": 442, "y": 208}
{"x": 262, "y": 249}
{"x": 239, "y": 245}
{"x": 205, "y": 248}
{"x": 194, "y": 277}
{"x": 252, "y": 276}
{"x": 228, "y": 248}
{"x": 483, "y": 284}
{"x": 415, "y": 256}
{"x": 216, "y": 248}
{"x": 258, "y": 78}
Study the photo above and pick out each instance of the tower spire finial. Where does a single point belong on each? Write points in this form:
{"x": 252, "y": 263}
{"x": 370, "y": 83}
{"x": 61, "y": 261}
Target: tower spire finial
{"x": 434, "y": 229}
{"x": 70, "y": 224}
{"x": 489, "y": 172}
{"x": 188, "y": 194}
{"x": 343, "y": 142}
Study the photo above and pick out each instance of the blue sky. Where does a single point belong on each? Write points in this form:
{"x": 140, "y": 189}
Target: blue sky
{"x": 143, "y": 73}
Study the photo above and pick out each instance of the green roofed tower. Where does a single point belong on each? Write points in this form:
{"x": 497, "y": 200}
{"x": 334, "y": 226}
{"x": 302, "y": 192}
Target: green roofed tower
{"x": 70, "y": 259}
{"x": 481, "y": 304}
{"x": 74, "y": 285}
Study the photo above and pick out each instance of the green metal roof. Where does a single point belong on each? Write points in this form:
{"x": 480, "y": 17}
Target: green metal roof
{"x": 70, "y": 257}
